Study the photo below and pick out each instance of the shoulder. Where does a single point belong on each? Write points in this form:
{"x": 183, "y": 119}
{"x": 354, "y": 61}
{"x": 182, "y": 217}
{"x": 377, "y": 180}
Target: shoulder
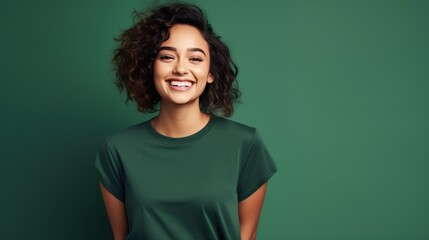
{"x": 235, "y": 129}
{"x": 133, "y": 133}
{"x": 234, "y": 126}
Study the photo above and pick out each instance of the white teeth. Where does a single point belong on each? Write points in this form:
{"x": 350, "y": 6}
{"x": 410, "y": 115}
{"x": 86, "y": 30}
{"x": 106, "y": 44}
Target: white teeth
{"x": 181, "y": 83}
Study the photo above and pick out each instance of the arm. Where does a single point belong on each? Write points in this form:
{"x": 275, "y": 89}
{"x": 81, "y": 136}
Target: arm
{"x": 116, "y": 212}
{"x": 249, "y": 211}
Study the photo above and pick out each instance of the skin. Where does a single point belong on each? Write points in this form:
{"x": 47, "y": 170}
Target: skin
{"x": 184, "y": 56}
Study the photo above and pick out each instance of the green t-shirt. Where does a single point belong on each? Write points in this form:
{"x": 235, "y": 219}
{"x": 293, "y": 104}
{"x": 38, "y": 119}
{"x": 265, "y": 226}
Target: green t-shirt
{"x": 184, "y": 188}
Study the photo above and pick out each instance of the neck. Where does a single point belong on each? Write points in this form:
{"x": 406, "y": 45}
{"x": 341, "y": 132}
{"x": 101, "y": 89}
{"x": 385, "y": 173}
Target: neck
{"x": 179, "y": 120}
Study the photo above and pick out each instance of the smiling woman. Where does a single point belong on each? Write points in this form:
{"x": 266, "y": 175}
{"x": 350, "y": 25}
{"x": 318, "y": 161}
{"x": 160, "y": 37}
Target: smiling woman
{"x": 187, "y": 173}
{"x": 142, "y": 44}
{"x": 181, "y": 69}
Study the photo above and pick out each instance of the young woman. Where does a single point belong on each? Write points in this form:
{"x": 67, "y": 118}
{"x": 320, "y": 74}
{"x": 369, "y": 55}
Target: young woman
{"x": 187, "y": 173}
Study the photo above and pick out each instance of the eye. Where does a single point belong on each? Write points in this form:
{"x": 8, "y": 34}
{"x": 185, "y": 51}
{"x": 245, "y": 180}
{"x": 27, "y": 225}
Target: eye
{"x": 166, "y": 58}
{"x": 196, "y": 59}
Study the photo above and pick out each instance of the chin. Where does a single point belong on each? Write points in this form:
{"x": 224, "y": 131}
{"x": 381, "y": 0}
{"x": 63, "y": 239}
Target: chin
{"x": 182, "y": 101}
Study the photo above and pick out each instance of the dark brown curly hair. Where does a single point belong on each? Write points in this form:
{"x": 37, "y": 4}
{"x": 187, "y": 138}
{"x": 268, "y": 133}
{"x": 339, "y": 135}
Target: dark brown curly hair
{"x": 139, "y": 46}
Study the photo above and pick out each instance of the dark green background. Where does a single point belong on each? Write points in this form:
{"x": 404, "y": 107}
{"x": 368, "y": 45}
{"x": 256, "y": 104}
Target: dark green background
{"x": 338, "y": 89}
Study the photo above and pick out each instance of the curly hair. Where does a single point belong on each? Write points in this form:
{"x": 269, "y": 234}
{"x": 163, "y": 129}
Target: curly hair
{"x": 139, "y": 45}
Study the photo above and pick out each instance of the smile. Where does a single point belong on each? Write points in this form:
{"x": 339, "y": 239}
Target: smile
{"x": 180, "y": 85}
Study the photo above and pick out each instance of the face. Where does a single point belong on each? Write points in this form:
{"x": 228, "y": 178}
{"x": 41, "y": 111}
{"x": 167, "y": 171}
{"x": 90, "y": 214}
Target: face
{"x": 181, "y": 69}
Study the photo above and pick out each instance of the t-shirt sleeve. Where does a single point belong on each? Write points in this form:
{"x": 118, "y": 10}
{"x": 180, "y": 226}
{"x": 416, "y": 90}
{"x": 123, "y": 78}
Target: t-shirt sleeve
{"x": 256, "y": 168}
{"x": 109, "y": 170}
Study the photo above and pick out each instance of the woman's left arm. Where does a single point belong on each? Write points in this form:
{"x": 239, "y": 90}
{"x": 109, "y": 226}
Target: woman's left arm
{"x": 249, "y": 211}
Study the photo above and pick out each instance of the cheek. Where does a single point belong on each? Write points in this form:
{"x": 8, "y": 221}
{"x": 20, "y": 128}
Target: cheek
{"x": 203, "y": 71}
{"x": 157, "y": 76}
{"x": 156, "y": 70}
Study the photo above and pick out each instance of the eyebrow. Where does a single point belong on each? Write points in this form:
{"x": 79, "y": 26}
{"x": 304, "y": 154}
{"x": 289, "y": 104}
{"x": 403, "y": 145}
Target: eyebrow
{"x": 189, "y": 49}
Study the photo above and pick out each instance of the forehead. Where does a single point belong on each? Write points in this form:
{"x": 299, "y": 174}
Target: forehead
{"x": 185, "y": 36}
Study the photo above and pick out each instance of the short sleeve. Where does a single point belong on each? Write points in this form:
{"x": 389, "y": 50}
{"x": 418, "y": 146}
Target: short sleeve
{"x": 255, "y": 169}
{"x": 109, "y": 170}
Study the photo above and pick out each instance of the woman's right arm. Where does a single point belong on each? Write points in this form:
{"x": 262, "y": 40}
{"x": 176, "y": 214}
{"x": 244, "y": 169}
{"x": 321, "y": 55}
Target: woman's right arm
{"x": 117, "y": 215}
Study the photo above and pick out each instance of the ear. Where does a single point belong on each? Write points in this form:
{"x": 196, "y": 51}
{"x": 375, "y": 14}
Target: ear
{"x": 210, "y": 78}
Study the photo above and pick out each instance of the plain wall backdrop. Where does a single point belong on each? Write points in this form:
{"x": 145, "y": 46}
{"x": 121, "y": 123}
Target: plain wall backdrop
{"x": 338, "y": 89}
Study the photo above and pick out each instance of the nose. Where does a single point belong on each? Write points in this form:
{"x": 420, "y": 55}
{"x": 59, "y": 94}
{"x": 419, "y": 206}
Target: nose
{"x": 180, "y": 68}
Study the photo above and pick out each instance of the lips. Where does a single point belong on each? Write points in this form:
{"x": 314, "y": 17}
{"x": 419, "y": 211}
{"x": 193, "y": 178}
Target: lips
{"x": 180, "y": 84}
